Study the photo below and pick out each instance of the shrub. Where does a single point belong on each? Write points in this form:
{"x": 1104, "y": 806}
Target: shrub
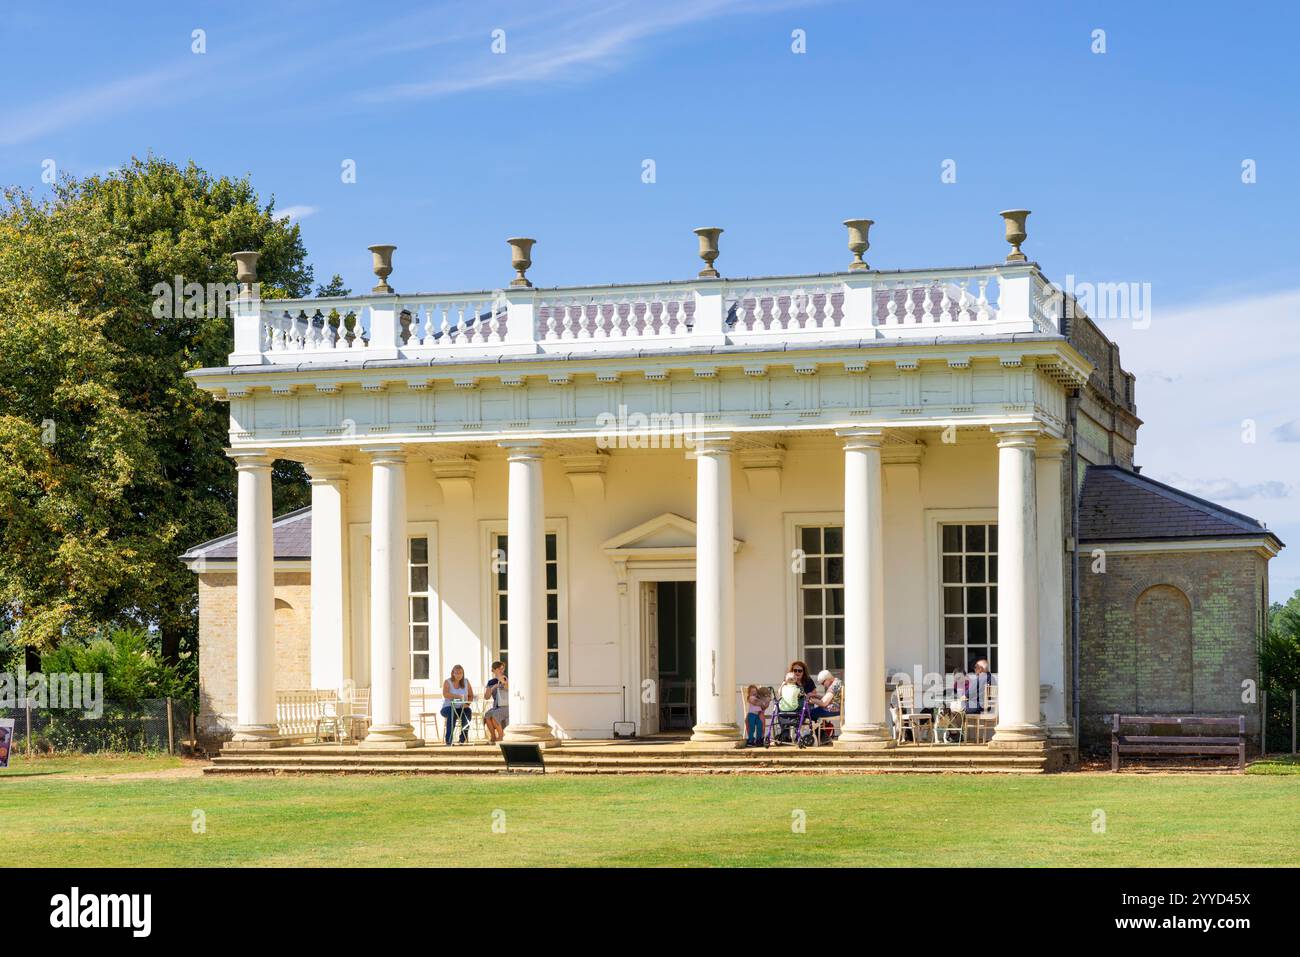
{"x": 133, "y": 670}
{"x": 1279, "y": 664}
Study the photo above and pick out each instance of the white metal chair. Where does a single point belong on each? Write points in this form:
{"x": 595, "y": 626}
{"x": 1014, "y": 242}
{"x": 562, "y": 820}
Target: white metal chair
{"x": 355, "y": 705}
{"x": 987, "y": 717}
{"x": 472, "y": 711}
{"x": 907, "y": 718}
{"x": 332, "y": 720}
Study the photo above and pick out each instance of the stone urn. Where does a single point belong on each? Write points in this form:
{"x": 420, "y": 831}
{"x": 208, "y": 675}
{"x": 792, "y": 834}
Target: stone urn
{"x": 709, "y": 250}
{"x": 383, "y": 265}
{"x": 521, "y": 253}
{"x": 246, "y": 269}
{"x": 1015, "y": 220}
{"x": 858, "y": 242}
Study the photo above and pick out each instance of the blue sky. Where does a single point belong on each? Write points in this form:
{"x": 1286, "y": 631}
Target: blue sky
{"x": 1130, "y": 159}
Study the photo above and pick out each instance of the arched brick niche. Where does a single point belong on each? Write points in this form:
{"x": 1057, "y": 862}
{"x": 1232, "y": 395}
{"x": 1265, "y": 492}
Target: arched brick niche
{"x": 1163, "y": 659}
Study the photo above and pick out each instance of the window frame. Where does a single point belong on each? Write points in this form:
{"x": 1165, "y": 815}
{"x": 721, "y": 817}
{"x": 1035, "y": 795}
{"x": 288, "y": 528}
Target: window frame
{"x": 359, "y": 577}
{"x": 935, "y": 519}
{"x": 489, "y": 595}
{"x": 794, "y": 523}
{"x": 823, "y": 587}
{"x": 428, "y": 531}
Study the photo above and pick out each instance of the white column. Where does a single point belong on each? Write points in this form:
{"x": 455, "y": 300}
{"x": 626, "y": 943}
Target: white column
{"x": 330, "y": 648}
{"x": 1018, "y": 701}
{"x": 526, "y": 597}
{"x": 255, "y": 604}
{"x": 865, "y": 727}
{"x": 1051, "y": 584}
{"x": 716, "y": 697}
{"x": 390, "y": 658}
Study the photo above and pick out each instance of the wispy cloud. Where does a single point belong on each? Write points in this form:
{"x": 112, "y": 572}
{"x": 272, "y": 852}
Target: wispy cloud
{"x": 83, "y": 106}
{"x": 568, "y": 42}
{"x": 1288, "y": 431}
{"x": 1230, "y": 490}
{"x": 295, "y": 213}
{"x": 578, "y": 44}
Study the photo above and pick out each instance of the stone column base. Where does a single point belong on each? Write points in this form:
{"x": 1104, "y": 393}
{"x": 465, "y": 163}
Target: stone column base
{"x": 867, "y": 737}
{"x": 398, "y": 736}
{"x": 715, "y": 737}
{"x": 1061, "y": 733}
{"x": 1020, "y": 737}
{"x": 539, "y": 734}
{"x": 255, "y": 737}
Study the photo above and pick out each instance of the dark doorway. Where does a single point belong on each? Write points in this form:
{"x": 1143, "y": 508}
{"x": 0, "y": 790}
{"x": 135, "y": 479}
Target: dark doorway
{"x": 676, "y": 655}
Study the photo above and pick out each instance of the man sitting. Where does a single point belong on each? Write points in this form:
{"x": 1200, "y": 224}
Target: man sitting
{"x": 975, "y": 686}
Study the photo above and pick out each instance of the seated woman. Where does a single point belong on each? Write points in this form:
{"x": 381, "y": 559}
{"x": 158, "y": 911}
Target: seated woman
{"x": 826, "y": 696}
{"x": 457, "y": 695}
{"x": 498, "y": 692}
{"x": 801, "y": 675}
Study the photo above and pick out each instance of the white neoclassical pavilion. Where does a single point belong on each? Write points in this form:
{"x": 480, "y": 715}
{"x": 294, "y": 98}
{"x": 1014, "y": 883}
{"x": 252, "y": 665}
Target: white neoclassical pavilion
{"x": 883, "y": 404}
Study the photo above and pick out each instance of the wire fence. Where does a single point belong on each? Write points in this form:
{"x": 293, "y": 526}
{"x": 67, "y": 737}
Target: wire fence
{"x": 158, "y": 724}
{"x": 1279, "y": 713}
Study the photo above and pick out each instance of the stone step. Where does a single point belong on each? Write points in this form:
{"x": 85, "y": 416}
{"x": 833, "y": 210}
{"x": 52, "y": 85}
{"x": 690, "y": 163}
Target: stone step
{"x": 400, "y": 763}
{"x": 655, "y": 761}
{"x": 810, "y": 755}
{"x": 855, "y": 768}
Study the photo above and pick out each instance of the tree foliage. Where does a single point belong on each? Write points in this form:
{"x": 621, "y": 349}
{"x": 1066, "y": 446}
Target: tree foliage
{"x": 1279, "y": 657}
{"x": 111, "y": 461}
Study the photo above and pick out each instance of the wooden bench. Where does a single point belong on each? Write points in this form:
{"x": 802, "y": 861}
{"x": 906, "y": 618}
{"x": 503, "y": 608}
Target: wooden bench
{"x": 1177, "y": 741}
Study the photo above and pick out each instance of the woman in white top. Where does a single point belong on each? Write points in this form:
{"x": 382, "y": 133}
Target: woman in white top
{"x": 457, "y": 696}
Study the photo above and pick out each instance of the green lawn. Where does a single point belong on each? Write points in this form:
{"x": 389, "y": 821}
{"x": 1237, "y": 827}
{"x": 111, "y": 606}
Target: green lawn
{"x": 76, "y": 764}
{"x": 61, "y": 818}
{"x": 1276, "y": 764}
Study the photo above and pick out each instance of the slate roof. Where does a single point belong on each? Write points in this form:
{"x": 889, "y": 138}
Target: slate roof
{"x": 291, "y": 534}
{"x": 1118, "y": 505}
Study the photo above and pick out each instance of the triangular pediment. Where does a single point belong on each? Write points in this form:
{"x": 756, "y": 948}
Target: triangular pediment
{"x": 666, "y": 533}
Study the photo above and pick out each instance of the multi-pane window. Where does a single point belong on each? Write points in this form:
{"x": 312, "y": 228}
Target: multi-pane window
{"x": 969, "y": 570}
{"x": 418, "y": 601}
{"x": 501, "y": 579}
{"x": 821, "y": 596}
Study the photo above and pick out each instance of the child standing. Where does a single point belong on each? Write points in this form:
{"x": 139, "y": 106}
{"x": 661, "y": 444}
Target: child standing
{"x": 754, "y": 707}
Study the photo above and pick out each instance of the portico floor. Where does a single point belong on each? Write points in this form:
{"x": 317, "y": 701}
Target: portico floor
{"x": 660, "y": 754}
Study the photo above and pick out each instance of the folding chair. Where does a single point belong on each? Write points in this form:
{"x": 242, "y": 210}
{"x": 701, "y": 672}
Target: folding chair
{"x": 907, "y": 718}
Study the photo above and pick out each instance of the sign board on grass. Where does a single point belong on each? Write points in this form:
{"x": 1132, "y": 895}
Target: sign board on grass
{"x": 6, "y": 740}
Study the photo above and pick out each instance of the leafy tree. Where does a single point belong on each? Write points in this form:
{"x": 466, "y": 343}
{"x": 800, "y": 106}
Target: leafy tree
{"x": 132, "y": 671}
{"x": 1279, "y": 665}
{"x": 111, "y": 462}
{"x": 334, "y": 289}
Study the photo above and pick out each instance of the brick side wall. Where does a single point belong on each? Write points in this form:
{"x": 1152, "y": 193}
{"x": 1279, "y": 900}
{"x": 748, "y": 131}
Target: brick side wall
{"x": 1108, "y": 406}
{"x": 1169, "y": 631}
{"x": 217, "y": 671}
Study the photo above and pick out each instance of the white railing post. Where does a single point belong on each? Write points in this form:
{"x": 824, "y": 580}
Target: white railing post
{"x": 859, "y": 305}
{"x": 246, "y": 314}
{"x": 1016, "y": 297}
{"x": 521, "y": 317}
{"x": 710, "y": 315}
{"x": 384, "y": 327}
